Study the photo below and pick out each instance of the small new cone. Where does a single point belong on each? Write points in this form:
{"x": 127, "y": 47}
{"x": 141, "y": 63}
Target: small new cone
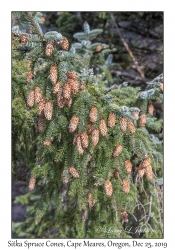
{"x": 89, "y": 128}
{"x": 41, "y": 106}
{"x": 141, "y": 173}
{"x": 97, "y": 184}
{"x": 161, "y": 86}
{"x": 41, "y": 125}
{"x": 128, "y": 166}
{"x": 136, "y": 115}
{"x": 73, "y": 124}
{"x": 116, "y": 174}
{"x": 66, "y": 91}
{"x": 53, "y": 74}
{"x": 47, "y": 142}
{"x": 68, "y": 103}
{"x": 125, "y": 216}
{"x": 117, "y": 150}
{"x": 49, "y": 48}
{"x": 48, "y": 110}
{"x": 93, "y": 114}
{"x": 75, "y": 139}
{"x": 108, "y": 188}
{"x": 82, "y": 86}
{"x": 84, "y": 139}
{"x": 38, "y": 94}
{"x": 150, "y": 109}
{"x": 98, "y": 48}
{"x": 131, "y": 127}
{"x": 125, "y": 186}
{"x": 64, "y": 44}
{"x": 60, "y": 100}
{"x": 91, "y": 202}
{"x": 31, "y": 98}
{"x": 56, "y": 88}
{"x": 103, "y": 127}
{"x": 95, "y": 137}
{"x": 79, "y": 146}
{"x": 72, "y": 75}
{"x": 143, "y": 120}
{"x": 149, "y": 173}
{"x": 111, "y": 120}
{"x": 73, "y": 172}
{"x": 32, "y": 183}
{"x": 24, "y": 39}
{"x": 29, "y": 76}
{"x": 123, "y": 124}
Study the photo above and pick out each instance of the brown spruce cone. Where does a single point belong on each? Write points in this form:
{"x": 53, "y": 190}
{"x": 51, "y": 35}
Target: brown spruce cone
{"x": 131, "y": 127}
{"x": 111, "y": 120}
{"x": 56, "y": 88}
{"x": 31, "y": 98}
{"x": 149, "y": 173}
{"x": 91, "y": 202}
{"x": 49, "y": 48}
{"x": 125, "y": 186}
{"x": 89, "y": 128}
{"x": 117, "y": 150}
{"x": 41, "y": 106}
{"x": 74, "y": 86}
{"x": 141, "y": 172}
{"x": 128, "y": 166}
{"x": 66, "y": 91}
{"x": 64, "y": 44}
{"x": 79, "y": 146}
{"x": 68, "y": 103}
{"x": 47, "y": 142}
{"x": 38, "y": 94}
{"x": 93, "y": 114}
{"x": 73, "y": 172}
{"x": 95, "y": 137}
{"x": 75, "y": 139}
{"x": 48, "y": 110}
{"x": 32, "y": 183}
{"x": 116, "y": 174}
{"x": 150, "y": 109}
{"x": 108, "y": 188}
{"x": 136, "y": 115}
{"x": 103, "y": 127}
{"x": 29, "y": 76}
{"x": 84, "y": 139}
{"x": 73, "y": 124}
{"x": 123, "y": 124}
{"x": 41, "y": 125}
{"x": 146, "y": 162}
{"x": 24, "y": 38}
{"x": 98, "y": 48}
{"x": 65, "y": 176}
{"x": 60, "y": 100}
{"x": 72, "y": 75}
{"x": 125, "y": 216}
{"x": 143, "y": 120}
{"x": 53, "y": 74}
{"x": 161, "y": 86}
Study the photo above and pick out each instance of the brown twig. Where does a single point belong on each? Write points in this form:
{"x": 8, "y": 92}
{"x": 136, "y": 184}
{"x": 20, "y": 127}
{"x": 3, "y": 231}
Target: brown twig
{"x": 137, "y": 78}
{"x": 127, "y": 47}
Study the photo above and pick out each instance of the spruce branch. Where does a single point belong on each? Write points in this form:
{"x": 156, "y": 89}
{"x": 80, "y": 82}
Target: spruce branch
{"x": 36, "y": 27}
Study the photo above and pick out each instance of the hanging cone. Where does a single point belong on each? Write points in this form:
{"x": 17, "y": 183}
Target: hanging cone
{"x": 128, "y": 166}
{"x": 150, "y": 109}
{"x": 146, "y": 162}
{"x": 48, "y": 110}
{"x": 41, "y": 106}
{"x": 91, "y": 202}
{"x": 68, "y": 103}
{"x": 24, "y": 38}
{"x": 108, "y": 188}
{"x": 116, "y": 174}
{"x": 29, "y": 76}
{"x": 31, "y": 98}
{"x": 141, "y": 173}
{"x": 136, "y": 115}
{"x": 73, "y": 124}
{"x": 73, "y": 172}
{"x": 66, "y": 91}
{"x": 64, "y": 44}
{"x": 60, "y": 100}
{"x": 117, "y": 150}
{"x": 79, "y": 146}
{"x": 65, "y": 176}
{"x": 131, "y": 127}
{"x": 103, "y": 127}
{"x": 41, "y": 125}
{"x": 161, "y": 86}
{"x": 149, "y": 173}
{"x": 49, "y": 48}
{"x": 56, "y": 88}
{"x": 98, "y": 48}
{"x": 93, "y": 114}
{"x": 123, "y": 124}
{"x": 111, "y": 120}
{"x": 47, "y": 142}
{"x": 75, "y": 139}
{"x": 38, "y": 94}
{"x": 84, "y": 139}
{"x": 73, "y": 85}
{"x": 125, "y": 216}
{"x": 89, "y": 128}
{"x": 72, "y": 75}
{"x": 32, "y": 183}
{"x": 95, "y": 137}
{"x": 125, "y": 186}
{"x": 53, "y": 74}
{"x": 143, "y": 120}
